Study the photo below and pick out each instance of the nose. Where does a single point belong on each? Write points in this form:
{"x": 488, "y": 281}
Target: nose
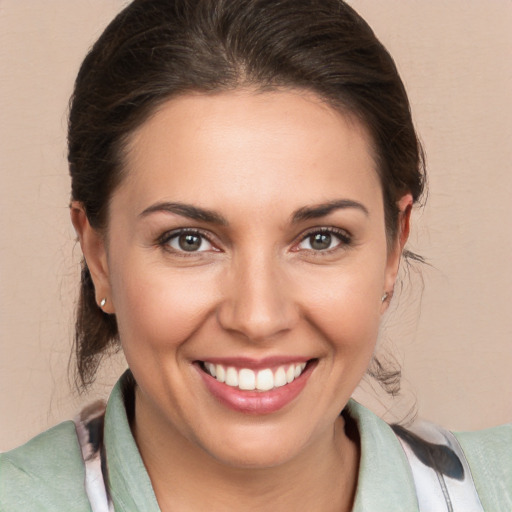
{"x": 258, "y": 300}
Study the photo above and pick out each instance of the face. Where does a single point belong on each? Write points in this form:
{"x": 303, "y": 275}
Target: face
{"x": 245, "y": 262}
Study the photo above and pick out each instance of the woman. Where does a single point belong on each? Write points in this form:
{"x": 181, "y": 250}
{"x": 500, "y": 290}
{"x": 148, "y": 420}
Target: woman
{"x": 243, "y": 174}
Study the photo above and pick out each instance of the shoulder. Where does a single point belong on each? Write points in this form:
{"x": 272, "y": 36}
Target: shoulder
{"x": 489, "y": 454}
{"x": 44, "y": 474}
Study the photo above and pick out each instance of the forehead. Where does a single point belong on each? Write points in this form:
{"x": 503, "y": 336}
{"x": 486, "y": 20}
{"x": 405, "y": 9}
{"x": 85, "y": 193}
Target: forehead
{"x": 240, "y": 146}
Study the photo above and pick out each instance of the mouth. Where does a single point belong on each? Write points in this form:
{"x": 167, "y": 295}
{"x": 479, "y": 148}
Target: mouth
{"x": 255, "y": 388}
{"x": 247, "y": 379}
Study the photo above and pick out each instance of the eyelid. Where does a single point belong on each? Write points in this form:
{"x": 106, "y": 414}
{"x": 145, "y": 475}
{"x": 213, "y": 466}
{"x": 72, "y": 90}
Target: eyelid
{"x": 163, "y": 240}
{"x": 343, "y": 235}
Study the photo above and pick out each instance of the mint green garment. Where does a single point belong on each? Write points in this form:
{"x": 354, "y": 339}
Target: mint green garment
{"x": 47, "y": 473}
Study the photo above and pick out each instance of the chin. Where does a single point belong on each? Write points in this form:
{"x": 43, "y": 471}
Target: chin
{"x": 266, "y": 444}
{"x": 259, "y": 454}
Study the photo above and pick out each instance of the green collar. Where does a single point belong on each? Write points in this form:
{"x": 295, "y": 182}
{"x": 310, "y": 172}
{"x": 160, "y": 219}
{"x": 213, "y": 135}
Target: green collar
{"x": 384, "y": 483}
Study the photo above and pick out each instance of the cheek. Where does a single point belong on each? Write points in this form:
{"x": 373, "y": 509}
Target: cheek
{"x": 159, "y": 308}
{"x": 345, "y": 306}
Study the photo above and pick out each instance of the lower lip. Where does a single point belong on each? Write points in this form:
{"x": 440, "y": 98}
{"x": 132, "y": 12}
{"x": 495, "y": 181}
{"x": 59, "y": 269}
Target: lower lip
{"x": 256, "y": 402}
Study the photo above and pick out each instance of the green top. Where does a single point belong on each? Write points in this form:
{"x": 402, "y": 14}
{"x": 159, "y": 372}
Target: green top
{"x": 47, "y": 473}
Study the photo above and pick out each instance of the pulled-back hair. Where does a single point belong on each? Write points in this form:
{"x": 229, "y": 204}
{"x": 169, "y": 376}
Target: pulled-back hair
{"x": 158, "y": 49}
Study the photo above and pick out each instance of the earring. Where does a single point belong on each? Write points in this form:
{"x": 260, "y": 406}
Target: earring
{"x": 103, "y": 302}
{"x": 384, "y": 297}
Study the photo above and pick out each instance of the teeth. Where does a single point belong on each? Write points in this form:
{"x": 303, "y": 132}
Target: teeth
{"x": 249, "y": 380}
{"x": 212, "y": 369}
{"x": 246, "y": 379}
{"x": 220, "y": 373}
{"x": 265, "y": 380}
{"x": 232, "y": 377}
{"x": 280, "y": 377}
{"x": 290, "y": 374}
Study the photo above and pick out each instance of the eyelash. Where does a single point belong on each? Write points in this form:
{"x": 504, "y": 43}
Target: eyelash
{"x": 345, "y": 240}
{"x": 164, "y": 240}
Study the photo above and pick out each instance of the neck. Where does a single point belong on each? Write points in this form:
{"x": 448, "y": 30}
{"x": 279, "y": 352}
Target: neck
{"x": 186, "y": 478}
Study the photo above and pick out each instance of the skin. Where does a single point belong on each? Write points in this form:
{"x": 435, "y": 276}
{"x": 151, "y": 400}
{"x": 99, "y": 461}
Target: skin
{"x": 256, "y": 288}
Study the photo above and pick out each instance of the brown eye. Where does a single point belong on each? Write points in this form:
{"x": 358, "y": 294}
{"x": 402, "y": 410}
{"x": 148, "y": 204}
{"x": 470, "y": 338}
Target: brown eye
{"x": 188, "y": 242}
{"x": 324, "y": 240}
{"x": 320, "y": 241}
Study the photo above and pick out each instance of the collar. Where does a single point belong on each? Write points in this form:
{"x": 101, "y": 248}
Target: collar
{"x": 384, "y": 483}
{"x": 129, "y": 483}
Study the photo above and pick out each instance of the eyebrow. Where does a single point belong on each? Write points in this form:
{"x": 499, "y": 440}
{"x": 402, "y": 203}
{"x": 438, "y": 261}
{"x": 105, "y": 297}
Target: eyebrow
{"x": 323, "y": 209}
{"x": 187, "y": 210}
{"x": 212, "y": 217}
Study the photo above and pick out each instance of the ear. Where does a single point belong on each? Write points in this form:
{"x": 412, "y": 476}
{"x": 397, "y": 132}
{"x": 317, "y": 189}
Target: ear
{"x": 93, "y": 249}
{"x": 404, "y": 205}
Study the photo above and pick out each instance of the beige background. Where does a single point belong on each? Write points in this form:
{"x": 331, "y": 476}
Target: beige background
{"x": 455, "y": 60}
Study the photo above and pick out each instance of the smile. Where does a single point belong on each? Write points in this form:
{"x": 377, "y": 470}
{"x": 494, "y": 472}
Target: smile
{"x": 256, "y": 387}
{"x": 246, "y": 379}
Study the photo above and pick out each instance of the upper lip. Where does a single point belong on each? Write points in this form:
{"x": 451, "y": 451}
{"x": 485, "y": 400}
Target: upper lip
{"x": 256, "y": 364}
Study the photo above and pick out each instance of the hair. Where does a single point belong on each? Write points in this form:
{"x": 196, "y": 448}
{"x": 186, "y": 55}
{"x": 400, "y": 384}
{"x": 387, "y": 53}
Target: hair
{"x": 155, "y": 50}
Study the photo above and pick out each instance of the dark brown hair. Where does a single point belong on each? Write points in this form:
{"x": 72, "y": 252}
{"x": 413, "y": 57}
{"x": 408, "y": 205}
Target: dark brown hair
{"x": 157, "y": 49}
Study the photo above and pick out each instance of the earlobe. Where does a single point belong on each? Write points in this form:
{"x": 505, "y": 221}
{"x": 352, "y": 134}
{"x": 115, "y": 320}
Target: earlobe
{"x": 93, "y": 248}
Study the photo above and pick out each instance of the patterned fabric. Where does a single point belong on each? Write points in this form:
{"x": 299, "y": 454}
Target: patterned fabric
{"x": 441, "y": 473}
{"x": 48, "y": 472}
{"x": 89, "y": 428}
{"x": 442, "y": 476}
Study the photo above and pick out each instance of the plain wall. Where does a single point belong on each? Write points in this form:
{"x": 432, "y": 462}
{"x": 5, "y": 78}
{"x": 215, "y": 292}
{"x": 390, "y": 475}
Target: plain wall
{"x": 453, "y": 339}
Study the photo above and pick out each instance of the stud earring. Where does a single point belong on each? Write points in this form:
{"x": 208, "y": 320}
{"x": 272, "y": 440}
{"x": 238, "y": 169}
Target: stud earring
{"x": 103, "y": 302}
{"x": 384, "y": 297}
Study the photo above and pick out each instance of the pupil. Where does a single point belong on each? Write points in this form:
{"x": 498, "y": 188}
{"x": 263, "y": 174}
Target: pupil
{"x": 321, "y": 241}
{"x": 190, "y": 242}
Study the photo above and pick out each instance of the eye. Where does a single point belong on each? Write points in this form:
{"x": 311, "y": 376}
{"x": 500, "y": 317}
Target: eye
{"x": 324, "y": 239}
{"x": 186, "y": 241}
